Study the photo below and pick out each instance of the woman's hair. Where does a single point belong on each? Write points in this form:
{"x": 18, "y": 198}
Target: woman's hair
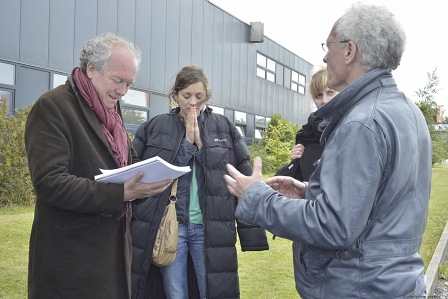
{"x": 318, "y": 81}
{"x": 185, "y": 77}
{"x": 378, "y": 35}
{"x": 98, "y": 51}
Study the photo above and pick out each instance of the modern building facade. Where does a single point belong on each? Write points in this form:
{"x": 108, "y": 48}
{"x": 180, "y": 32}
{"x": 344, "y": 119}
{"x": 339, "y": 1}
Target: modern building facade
{"x": 250, "y": 81}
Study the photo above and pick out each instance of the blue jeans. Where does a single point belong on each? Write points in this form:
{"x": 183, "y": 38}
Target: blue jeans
{"x": 191, "y": 238}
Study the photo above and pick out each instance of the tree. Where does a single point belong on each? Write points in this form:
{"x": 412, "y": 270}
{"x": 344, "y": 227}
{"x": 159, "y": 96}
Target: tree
{"x": 428, "y": 106}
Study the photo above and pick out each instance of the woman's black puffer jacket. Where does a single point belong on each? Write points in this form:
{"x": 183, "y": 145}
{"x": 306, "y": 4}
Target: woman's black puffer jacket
{"x": 222, "y": 144}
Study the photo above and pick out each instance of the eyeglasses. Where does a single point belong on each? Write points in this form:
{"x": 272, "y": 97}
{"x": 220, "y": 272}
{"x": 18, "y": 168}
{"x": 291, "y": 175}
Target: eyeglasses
{"x": 325, "y": 45}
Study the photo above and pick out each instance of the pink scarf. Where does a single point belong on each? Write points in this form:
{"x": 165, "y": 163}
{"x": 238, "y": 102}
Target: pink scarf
{"x": 111, "y": 121}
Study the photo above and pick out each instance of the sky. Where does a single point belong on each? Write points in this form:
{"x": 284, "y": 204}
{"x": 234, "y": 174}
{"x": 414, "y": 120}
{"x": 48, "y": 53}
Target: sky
{"x": 301, "y": 27}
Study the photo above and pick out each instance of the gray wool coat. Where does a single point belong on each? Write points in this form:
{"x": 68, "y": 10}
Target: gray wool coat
{"x": 80, "y": 244}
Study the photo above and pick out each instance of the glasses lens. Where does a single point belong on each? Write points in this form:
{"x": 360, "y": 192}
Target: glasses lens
{"x": 324, "y": 47}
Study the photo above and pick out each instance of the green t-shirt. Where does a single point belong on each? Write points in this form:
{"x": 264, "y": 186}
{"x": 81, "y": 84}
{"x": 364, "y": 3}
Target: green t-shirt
{"x": 195, "y": 209}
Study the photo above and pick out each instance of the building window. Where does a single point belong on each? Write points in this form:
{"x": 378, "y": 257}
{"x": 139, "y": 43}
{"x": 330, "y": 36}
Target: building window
{"x": 217, "y": 110}
{"x": 240, "y": 122}
{"x": 7, "y": 77}
{"x": 273, "y": 71}
{"x": 136, "y": 98}
{"x": 260, "y": 121}
{"x": 266, "y": 67}
{"x": 8, "y": 96}
{"x": 242, "y": 130}
{"x": 297, "y": 82}
{"x": 301, "y": 79}
{"x": 257, "y": 134}
{"x": 134, "y": 116}
{"x": 260, "y": 126}
{"x": 59, "y": 79}
{"x": 135, "y": 107}
{"x": 240, "y": 117}
{"x": 294, "y": 86}
{"x": 7, "y": 74}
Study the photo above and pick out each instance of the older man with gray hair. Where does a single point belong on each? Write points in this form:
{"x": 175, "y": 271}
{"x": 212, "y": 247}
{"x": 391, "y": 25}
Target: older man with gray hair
{"x": 80, "y": 245}
{"x": 357, "y": 225}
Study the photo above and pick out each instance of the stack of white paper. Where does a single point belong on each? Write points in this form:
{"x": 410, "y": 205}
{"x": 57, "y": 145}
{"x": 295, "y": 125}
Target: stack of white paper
{"x": 155, "y": 169}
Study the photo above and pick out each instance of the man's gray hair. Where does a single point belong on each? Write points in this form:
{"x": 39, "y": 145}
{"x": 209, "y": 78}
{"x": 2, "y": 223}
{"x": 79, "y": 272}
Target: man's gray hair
{"x": 99, "y": 49}
{"x": 378, "y": 35}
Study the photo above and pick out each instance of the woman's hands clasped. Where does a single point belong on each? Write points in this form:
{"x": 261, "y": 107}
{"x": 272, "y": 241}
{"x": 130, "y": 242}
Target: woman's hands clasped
{"x": 192, "y": 133}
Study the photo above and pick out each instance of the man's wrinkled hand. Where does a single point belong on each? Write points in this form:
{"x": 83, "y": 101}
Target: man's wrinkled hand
{"x": 237, "y": 183}
{"x": 287, "y": 186}
{"x": 133, "y": 188}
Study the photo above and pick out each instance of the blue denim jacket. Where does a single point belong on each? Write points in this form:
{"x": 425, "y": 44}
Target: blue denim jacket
{"x": 369, "y": 194}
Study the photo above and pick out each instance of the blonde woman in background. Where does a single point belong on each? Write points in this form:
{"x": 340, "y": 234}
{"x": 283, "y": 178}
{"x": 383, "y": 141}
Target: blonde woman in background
{"x": 308, "y": 150}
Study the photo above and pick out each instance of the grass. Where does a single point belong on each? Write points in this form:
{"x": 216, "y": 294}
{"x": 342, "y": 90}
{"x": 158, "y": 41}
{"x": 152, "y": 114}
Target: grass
{"x": 438, "y": 212}
{"x": 265, "y": 274}
{"x": 15, "y": 227}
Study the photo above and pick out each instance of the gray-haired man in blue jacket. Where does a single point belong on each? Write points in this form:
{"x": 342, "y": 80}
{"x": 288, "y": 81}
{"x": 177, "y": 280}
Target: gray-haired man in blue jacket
{"x": 357, "y": 225}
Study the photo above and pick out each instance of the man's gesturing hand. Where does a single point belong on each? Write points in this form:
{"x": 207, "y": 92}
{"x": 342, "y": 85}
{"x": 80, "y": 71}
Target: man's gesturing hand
{"x": 287, "y": 186}
{"x": 237, "y": 183}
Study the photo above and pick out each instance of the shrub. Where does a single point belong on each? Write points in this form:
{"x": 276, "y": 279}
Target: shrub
{"x": 275, "y": 147}
{"x": 439, "y": 146}
{"x": 15, "y": 181}
{"x": 443, "y": 271}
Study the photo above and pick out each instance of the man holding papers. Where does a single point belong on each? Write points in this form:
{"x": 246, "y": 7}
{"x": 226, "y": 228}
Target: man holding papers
{"x": 80, "y": 244}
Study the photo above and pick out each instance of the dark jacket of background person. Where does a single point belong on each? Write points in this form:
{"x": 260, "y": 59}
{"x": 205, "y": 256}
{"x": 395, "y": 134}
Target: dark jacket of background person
{"x": 161, "y": 136}
{"x": 309, "y": 136}
{"x": 369, "y": 194}
{"x": 81, "y": 234}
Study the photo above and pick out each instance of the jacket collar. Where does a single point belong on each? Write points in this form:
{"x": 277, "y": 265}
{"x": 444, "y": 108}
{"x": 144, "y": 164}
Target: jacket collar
{"x": 334, "y": 110}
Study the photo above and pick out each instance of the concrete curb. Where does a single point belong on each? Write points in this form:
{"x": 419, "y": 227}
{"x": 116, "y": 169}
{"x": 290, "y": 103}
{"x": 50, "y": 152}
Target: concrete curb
{"x": 432, "y": 272}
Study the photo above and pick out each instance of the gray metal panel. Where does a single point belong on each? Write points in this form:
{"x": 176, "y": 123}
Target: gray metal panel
{"x": 245, "y": 53}
{"x": 170, "y": 34}
{"x": 279, "y": 74}
{"x": 34, "y": 22}
{"x": 287, "y": 77}
{"x": 158, "y": 104}
{"x": 126, "y": 19}
{"x": 10, "y": 35}
{"x": 31, "y": 84}
{"x": 226, "y": 62}
{"x": 143, "y": 26}
{"x": 85, "y": 25}
{"x": 197, "y": 28}
{"x": 260, "y": 107}
{"x": 185, "y": 34}
{"x": 107, "y": 16}
{"x": 253, "y": 82}
{"x": 218, "y": 37}
{"x": 235, "y": 80}
{"x": 160, "y": 11}
{"x": 61, "y": 44}
{"x": 172, "y": 42}
{"x": 229, "y": 114}
{"x": 207, "y": 45}
{"x": 250, "y": 126}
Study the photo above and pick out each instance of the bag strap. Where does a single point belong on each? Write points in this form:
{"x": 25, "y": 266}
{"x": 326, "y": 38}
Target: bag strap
{"x": 174, "y": 191}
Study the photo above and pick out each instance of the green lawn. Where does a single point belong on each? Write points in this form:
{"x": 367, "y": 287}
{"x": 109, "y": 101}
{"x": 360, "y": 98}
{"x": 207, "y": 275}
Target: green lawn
{"x": 266, "y": 274}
